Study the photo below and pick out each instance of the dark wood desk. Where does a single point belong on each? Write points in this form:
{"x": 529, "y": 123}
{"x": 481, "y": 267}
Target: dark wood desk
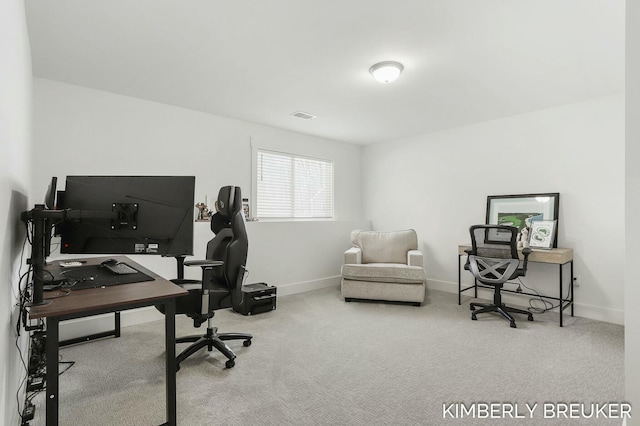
{"x": 82, "y": 303}
{"x": 556, "y": 256}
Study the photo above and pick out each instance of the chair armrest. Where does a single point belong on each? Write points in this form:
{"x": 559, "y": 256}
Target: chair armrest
{"x": 353, "y": 255}
{"x": 204, "y": 263}
{"x": 415, "y": 258}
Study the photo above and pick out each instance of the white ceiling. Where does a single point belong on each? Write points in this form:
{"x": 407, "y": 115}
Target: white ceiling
{"x": 465, "y": 61}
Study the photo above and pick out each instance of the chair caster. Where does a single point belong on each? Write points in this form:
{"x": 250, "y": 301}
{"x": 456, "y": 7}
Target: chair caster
{"x": 530, "y": 317}
{"x": 230, "y": 364}
{"x": 512, "y": 324}
{"x": 247, "y": 342}
{"x": 474, "y": 317}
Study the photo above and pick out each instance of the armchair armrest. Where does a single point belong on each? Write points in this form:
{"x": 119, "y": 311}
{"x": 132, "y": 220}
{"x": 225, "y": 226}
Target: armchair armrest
{"x": 353, "y": 255}
{"x": 415, "y": 258}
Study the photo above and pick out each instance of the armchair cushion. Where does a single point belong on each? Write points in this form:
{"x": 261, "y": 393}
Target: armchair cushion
{"x": 385, "y": 247}
{"x": 384, "y": 272}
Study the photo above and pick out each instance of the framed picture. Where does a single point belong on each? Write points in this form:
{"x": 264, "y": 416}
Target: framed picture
{"x": 542, "y": 234}
{"x": 520, "y": 211}
{"x": 245, "y": 209}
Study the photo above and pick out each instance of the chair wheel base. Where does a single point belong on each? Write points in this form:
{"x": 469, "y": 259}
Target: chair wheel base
{"x": 212, "y": 340}
{"x": 504, "y": 311}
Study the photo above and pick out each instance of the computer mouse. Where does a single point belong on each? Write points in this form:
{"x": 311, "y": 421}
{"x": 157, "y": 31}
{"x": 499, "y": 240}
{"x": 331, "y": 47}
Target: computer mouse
{"x": 109, "y": 262}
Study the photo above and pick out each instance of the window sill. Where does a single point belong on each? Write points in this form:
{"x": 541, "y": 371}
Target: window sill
{"x": 280, "y": 220}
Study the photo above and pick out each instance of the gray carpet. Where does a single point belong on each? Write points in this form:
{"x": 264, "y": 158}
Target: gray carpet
{"x": 318, "y": 360}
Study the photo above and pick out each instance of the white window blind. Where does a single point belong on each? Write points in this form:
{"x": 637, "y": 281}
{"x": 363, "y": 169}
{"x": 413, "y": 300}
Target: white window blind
{"x": 290, "y": 186}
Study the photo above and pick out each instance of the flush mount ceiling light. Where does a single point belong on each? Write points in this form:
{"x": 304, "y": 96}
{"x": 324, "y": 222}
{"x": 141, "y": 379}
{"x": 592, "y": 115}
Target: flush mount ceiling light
{"x": 387, "y": 71}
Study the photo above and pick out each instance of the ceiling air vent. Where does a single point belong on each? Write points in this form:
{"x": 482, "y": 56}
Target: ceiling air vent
{"x": 304, "y": 115}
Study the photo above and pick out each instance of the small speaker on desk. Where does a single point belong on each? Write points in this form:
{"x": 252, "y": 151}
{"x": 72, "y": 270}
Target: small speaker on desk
{"x": 257, "y": 298}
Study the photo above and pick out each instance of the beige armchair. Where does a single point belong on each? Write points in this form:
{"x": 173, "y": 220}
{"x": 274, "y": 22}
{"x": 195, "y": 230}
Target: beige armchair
{"x": 384, "y": 266}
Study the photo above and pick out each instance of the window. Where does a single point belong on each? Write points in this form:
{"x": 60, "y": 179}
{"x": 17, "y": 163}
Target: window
{"x": 290, "y": 186}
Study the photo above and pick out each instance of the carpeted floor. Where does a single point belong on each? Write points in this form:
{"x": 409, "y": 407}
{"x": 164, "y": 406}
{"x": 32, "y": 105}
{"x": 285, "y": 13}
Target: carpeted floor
{"x": 318, "y": 360}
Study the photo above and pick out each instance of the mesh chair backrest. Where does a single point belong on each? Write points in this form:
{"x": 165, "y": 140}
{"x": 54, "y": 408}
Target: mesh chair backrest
{"x": 494, "y": 241}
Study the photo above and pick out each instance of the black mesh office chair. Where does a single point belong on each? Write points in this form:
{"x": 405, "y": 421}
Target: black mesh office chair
{"x": 222, "y": 275}
{"x": 493, "y": 260}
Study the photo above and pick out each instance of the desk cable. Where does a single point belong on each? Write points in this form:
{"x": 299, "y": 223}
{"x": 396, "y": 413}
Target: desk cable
{"x": 536, "y": 309}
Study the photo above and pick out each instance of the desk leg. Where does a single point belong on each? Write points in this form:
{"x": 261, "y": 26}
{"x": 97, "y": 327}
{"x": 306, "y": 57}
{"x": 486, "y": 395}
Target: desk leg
{"x": 116, "y": 324}
{"x": 571, "y": 288}
{"x": 170, "y": 351}
{"x": 560, "y": 296}
{"x": 475, "y": 283}
{"x": 459, "y": 283}
{"x": 52, "y": 372}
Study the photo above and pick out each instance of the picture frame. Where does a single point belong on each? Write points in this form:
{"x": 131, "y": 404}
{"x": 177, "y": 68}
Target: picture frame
{"x": 521, "y": 210}
{"x": 542, "y": 234}
{"x": 245, "y": 209}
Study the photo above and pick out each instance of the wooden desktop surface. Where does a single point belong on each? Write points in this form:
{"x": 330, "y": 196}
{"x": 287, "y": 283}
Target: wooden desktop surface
{"x": 558, "y": 256}
{"x": 83, "y": 302}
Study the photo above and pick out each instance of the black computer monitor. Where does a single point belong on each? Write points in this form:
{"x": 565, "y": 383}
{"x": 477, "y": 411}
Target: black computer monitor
{"x": 49, "y": 204}
{"x": 127, "y": 215}
{"x": 50, "y": 196}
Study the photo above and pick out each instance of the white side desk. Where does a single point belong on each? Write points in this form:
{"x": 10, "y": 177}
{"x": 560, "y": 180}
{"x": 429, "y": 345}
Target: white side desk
{"x": 556, "y": 256}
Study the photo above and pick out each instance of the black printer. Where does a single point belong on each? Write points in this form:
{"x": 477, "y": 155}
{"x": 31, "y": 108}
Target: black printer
{"x": 257, "y": 298}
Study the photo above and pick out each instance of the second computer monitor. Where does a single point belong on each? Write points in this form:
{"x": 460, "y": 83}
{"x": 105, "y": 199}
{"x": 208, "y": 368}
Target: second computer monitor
{"x": 128, "y": 215}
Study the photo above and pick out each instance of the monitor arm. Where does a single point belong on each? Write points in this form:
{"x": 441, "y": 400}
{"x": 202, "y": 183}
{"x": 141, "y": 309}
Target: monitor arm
{"x": 121, "y": 215}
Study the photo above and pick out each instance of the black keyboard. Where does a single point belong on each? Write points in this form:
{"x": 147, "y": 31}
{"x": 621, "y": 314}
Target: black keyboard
{"x": 120, "y": 268}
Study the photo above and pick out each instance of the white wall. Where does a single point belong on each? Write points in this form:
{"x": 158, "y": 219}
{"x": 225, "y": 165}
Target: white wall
{"x": 15, "y": 125}
{"x": 84, "y": 131}
{"x": 438, "y": 184}
{"x": 632, "y": 287}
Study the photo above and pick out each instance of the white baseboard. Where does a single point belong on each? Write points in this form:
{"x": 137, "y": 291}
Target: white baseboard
{"x": 301, "y": 287}
{"x": 580, "y": 310}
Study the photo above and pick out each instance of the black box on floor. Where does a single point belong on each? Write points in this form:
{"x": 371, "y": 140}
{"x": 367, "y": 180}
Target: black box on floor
{"x": 257, "y": 298}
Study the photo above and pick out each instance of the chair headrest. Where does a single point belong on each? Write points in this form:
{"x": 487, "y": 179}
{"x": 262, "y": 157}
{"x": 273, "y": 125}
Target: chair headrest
{"x": 225, "y": 201}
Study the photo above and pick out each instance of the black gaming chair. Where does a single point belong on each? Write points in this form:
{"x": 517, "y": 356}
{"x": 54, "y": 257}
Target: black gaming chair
{"x": 493, "y": 260}
{"x": 222, "y": 275}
